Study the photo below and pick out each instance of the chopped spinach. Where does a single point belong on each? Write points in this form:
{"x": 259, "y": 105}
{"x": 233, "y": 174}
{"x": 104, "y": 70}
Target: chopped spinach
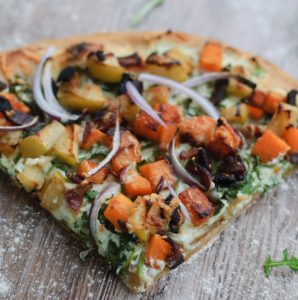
{"x": 191, "y": 109}
{"x": 97, "y": 150}
{"x": 59, "y": 165}
{"x": 90, "y": 195}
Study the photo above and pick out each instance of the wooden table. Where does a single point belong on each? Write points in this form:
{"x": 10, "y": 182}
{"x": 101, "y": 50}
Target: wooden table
{"x": 38, "y": 262}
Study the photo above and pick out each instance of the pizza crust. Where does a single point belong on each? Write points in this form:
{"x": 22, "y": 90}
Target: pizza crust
{"x": 140, "y": 42}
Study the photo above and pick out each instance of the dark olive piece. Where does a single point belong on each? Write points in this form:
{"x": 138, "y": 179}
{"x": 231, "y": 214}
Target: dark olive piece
{"x": 4, "y": 104}
{"x": 224, "y": 179}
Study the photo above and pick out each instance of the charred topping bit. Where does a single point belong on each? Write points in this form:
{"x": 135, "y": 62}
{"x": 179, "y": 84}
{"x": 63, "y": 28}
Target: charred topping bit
{"x": 175, "y": 257}
{"x": 168, "y": 199}
{"x": 83, "y": 49}
{"x": 200, "y": 172}
{"x": 219, "y": 92}
{"x": 133, "y": 60}
{"x": 126, "y": 78}
{"x": 176, "y": 220}
{"x": 224, "y": 179}
{"x": 74, "y": 197}
{"x": 247, "y": 82}
{"x": 3, "y": 85}
{"x": 74, "y": 177}
{"x": 203, "y": 158}
{"x": 67, "y": 73}
{"x": 293, "y": 158}
{"x": 159, "y": 60}
{"x": 292, "y": 97}
{"x": 100, "y": 55}
{"x": 4, "y": 104}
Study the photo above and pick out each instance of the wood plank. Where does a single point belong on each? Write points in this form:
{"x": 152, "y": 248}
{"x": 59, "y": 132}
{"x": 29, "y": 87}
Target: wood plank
{"x": 37, "y": 262}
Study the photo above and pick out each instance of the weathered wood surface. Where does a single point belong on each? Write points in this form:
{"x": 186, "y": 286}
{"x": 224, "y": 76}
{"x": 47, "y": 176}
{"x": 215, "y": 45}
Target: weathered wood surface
{"x": 36, "y": 259}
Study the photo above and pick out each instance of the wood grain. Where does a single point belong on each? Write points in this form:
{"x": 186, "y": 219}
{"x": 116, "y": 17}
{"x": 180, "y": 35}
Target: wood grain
{"x": 37, "y": 261}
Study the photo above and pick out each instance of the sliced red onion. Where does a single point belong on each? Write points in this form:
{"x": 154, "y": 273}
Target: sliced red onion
{"x": 49, "y": 93}
{"x": 207, "y": 106}
{"x": 37, "y": 89}
{"x": 20, "y": 127}
{"x": 108, "y": 192}
{"x": 182, "y": 206}
{"x": 116, "y": 146}
{"x": 137, "y": 98}
{"x": 179, "y": 169}
{"x": 207, "y": 77}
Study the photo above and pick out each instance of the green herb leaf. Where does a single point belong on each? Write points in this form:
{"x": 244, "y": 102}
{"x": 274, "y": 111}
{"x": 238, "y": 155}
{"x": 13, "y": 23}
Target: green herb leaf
{"x": 97, "y": 150}
{"x": 290, "y": 262}
{"x": 90, "y": 195}
{"x": 147, "y": 8}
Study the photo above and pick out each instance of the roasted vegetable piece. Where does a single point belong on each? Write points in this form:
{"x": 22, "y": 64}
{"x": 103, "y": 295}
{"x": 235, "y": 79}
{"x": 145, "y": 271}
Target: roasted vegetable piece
{"x": 237, "y": 88}
{"x": 52, "y": 193}
{"x": 157, "y": 171}
{"x": 166, "y": 135}
{"x": 93, "y": 136}
{"x": 285, "y": 116}
{"x": 43, "y": 141}
{"x": 197, "y": 130}
{"x": 290, "y": 135}
{"x": 67, "y": 146}
{"x": 128, "y": 109}
{"x": 236, "y": 114}
{"x": 80, "y": 93}
{"x": 130, "y": 61}
{"x": 157, "y": 250}
{"x": 31, "y": 178}
{"x": 118, "y": 209}
{"x": 135, "y": 184}
{"x": 255, "y": 113}
{"x": 257, "y": 98}
{"x": 6, "y": 149}
{"x": 75, "y": 197}
{"x": 211, "y": 57}
{"x": 224, "y": 140}
{"x": 273, "y": 99}
{"x": 105, "y": 67}
{"x": 270, "y": 146}
{"x": 148, "y": 215}
{"x": 170, "y": 114}
{"x": 87, "y": 165}
{"x": 157, "y": 94}
{"x": 146, "y": 127}
{"x": 185, "y": 60}
{"x": 198, "y": 205}
{"x": 165, "y": 66}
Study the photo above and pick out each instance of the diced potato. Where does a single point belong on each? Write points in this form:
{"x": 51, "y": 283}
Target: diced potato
{"x": 236, "y": 114}
{"x": 166, "y": 67}
{"x": 128, "y": 109}
{"x": 52, "y": 194}
{"x": 31, "y": 178}
{"x": 108, "y": 70}
{"x": 157, "y": 94}
{"x": 284, "y": 116}
{"x": 79, "y": 94}
{"x": 185, "y": 61}
{"x": 43, "y": 141}
{"x": 66, "y": 148}
{"x": 239, "y": 89}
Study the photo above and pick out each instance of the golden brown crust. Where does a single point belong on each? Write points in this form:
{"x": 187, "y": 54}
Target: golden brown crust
{"x": 21, "y": 60}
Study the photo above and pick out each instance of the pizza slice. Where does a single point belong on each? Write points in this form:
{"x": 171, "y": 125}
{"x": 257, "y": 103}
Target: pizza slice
{"x": 145, "y": 145}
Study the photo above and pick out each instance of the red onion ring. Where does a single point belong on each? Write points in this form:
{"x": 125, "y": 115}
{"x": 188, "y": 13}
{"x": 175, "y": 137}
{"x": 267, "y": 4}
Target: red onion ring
{"x": 207, "y": 106}
{"x": 207, "y": 77}
{"x": 180, "y": 170}
{"x": 20, "y": 127}
{"x": 39, "y": 98}
{"x": 116, "y": 146}
{"x": 109, "y": 191}
{"x": 182, "y": 206}
{"x": 49, "y": 93}
{"x": 137, "y": 98}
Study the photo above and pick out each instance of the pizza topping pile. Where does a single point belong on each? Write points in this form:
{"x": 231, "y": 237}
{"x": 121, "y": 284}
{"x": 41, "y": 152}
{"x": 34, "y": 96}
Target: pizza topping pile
{"x": 103, "y": 119}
